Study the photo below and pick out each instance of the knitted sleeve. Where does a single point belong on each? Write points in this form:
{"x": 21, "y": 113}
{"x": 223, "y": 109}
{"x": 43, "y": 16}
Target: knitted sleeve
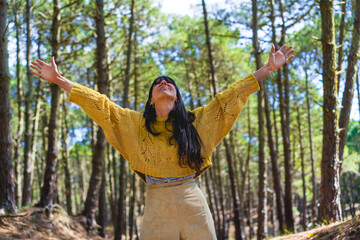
{"x": 120, "y": 125}
{"x": 215, "y": 120}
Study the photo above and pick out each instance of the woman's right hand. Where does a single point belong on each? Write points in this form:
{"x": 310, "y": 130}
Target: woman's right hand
{"x": 51, "y": 74}
{"x": 46, "y": 71}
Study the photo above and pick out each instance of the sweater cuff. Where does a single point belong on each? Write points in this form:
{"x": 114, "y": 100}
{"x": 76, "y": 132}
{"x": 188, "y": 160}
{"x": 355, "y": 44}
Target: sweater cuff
{"x": 76, "y": 93}
{"x": 252, "y": 85}
{"x": 255, "y": 83}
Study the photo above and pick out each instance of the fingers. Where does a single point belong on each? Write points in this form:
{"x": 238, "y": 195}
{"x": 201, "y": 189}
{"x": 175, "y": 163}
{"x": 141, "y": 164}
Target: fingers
{"x": 36, "y": 74}
{"x": 290, "y": 52}
{"x": 42, "y": 62}
{"x": 36, "y": 64}
{"x": 288, "y": 49}
{"x": 272, "y": 48}
{"x": 282, "y": 48}
{"x": 53, "y": 61}
{"x": 35, "y": 68}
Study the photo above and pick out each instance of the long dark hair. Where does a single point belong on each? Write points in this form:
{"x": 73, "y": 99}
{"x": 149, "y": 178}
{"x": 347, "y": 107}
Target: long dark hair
{"x": 184, "y": 132}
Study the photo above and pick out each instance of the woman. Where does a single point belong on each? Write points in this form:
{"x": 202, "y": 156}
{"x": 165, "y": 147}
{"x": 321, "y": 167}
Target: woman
{"x": 167, "y": 146}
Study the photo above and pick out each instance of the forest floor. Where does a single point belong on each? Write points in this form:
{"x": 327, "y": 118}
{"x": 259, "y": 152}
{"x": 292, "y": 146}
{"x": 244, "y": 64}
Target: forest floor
{"x": 34, "y": 224}
{"x": 346, "y": 230}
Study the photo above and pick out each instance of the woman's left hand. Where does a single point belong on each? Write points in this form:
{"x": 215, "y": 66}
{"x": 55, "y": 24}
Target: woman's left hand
{"x": 278, "y": 58}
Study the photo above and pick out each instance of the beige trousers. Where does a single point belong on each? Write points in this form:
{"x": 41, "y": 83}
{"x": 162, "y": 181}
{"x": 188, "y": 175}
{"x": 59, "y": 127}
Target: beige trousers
{"x": 176, "y": 211}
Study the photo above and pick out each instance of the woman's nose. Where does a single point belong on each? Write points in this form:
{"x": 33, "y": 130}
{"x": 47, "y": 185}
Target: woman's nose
{"x": 163, "y": 82}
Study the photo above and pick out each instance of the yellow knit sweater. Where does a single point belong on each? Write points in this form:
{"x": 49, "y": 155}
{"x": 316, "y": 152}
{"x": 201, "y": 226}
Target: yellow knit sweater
{"x": 153, "y": 155}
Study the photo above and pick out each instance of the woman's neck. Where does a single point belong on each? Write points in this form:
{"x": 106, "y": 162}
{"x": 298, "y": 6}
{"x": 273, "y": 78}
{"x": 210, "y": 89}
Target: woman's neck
{"x": 163, "y": 109}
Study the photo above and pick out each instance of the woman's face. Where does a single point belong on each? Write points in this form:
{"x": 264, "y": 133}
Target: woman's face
{"x": 163, "y": 90}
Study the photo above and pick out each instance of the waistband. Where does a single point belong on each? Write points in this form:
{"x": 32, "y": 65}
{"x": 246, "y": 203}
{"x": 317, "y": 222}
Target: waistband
{"x": 171, "y": 184}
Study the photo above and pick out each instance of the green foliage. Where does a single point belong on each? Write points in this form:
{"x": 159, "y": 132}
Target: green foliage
{"x": 353, "y": 137}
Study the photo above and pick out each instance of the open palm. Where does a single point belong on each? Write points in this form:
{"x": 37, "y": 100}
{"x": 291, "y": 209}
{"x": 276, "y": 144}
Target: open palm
{"x": 46, "y": 71}
{"x": 278, "y": 58}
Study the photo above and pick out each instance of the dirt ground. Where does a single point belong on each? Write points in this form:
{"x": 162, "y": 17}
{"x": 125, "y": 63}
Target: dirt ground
{"x": 347, "y": 230}
{"x": 35, "y": 225}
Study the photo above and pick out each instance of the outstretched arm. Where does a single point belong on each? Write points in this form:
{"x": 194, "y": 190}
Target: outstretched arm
{"x": 276, "y": 60}
{"x": 50, "y": 73}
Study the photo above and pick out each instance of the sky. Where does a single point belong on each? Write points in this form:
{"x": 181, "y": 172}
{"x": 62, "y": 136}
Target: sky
{"x": 184, "y": 7}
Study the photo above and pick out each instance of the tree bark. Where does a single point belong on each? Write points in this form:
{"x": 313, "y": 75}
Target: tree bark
{"x": 274, "y": 167}
{"x": 216, "y": 193}
{"x": 358, "y": 90}
{"x": 284, "y": 112}
{"x": 26, "y": 192}
{"x": 49, "y": 185}
{"x": 132, "y": 218}
{"x": 239, "y": 229}
{"x": 65, "y": 157}
{"x": 284, "y": 86}
{"x": 20, "y": 127}
{"x": 351, "y": 73}
{"x": 209, "y": 195}
{"x": 330, "y": 209}
{"x": 314, "y": 207}
{"x": 102, "y": 206}
{"x": 121, "y": 217}
{"x": 250, "y": 207}
{"x": 262, "y": 210}
{"x": 341, "y": 42}
{"x": 7, "y": 189}
{"x": 208, "y": 45}
{"x": 303, "y": 209}
{"x": 92, "y": 197}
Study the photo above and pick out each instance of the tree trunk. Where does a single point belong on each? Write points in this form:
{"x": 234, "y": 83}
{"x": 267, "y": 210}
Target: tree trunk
{"x": 208, "y": 45}
{"x": 65, "y": 157}
{"x": 121, "y": 217}
{"x": 26, "y": 193}
{"x": 220, "y": 194}
{"x": 133, "y": 227}
{"x": 209, "y": 194}
{"x": 274, "y": 167}
{"x": 20, "y": 127}
{"x": 330, "y": 209}
{"x": 303, "y": 209}
{"x": 250, "y": 207}
{"x": 115, "y": 178}
{"x": 80, "y": 169}
{"x": 341, "y": 42}
{"x": 283, "y": 85}
{"x": 224, "y": 223}
{"x": 132, "y": 218}
{"x": 358, "y": 91}
{"x": 313, "y": 175}
{"x": 351, "y": 73}
{"x": 7, "y": 189}
{"x": 92, "y": 197}
{"x": 215, "y": 196}
{"x": 239, "y": 229}
{"x": 262, "y": 210}
{"x": 49, "y": 185}
{"x": 102, "y": 206}
{"x": 110, "y": 192}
